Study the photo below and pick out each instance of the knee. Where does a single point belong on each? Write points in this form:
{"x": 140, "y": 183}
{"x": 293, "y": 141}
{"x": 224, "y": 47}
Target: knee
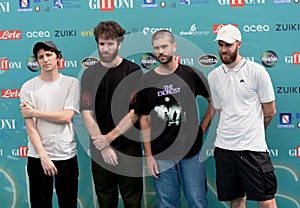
{"x": 268, "y": 204}
{"x": 238, "y": 203}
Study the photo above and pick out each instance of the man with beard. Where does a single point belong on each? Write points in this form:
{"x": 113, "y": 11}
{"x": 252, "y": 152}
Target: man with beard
{"x": 107, "y": 98}
{"x": 243, "y": 95}
{"x": 170, "y": 126}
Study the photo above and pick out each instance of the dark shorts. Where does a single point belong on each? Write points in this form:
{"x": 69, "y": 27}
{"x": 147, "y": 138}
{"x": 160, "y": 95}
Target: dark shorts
{"x": 241, "y": 173}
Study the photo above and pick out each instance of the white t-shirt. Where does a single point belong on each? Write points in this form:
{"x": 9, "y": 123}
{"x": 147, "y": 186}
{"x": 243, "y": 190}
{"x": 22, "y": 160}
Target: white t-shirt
{"x": 57, "y": 139}
{"x": 239, "y": 93}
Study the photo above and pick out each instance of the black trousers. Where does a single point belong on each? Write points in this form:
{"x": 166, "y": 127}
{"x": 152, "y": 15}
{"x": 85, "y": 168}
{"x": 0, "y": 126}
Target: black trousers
{"x": 41, "y": 185}
{"x": 125, "y": 178}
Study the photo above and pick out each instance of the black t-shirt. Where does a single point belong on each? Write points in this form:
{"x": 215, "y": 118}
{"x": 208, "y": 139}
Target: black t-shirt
{"x": 110, "y": 93}
{"x": 170, "y": 100}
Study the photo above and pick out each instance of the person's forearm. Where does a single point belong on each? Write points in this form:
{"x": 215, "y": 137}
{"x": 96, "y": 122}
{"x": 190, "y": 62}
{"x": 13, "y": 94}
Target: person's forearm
{"x": 126, "y": 123}
{"x": 90, "y": 124}
{"x": 59, "y": 117}
{"x": 208, "y": 116}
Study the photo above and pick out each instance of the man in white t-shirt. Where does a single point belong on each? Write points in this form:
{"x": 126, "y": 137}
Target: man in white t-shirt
{"x": 48, "y": 103}
{"x": 243, "y": 94}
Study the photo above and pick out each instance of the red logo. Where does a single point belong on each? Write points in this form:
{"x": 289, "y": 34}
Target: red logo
{"x": 298, "y": 151}
{"x": 11, "y": 93}
{"x": 4, "y": 64}
{"x": 296, "y": 57}
{"x": 61, "y": 63}
{"x": 23, "y": 151}
{"x": 106, "y": 5}
{"x": 10, "y": 34}
{"x": 217, "y": 27}
{"x": 237, "y": 3}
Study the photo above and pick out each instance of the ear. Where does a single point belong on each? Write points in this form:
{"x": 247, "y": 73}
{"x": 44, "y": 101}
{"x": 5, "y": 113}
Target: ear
{"x": 174, "y": 47}
{"x": 119, "y": 45}
{"x": 239, "y": 44}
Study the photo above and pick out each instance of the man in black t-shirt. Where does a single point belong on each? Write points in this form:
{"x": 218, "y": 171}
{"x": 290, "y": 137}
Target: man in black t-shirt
{"x": 166, "y": 104}
{"x": 107, "y": 99}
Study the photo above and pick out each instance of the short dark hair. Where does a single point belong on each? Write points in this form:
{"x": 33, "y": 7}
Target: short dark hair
{"x": 109, "y": 30}
{"x": 161, "y": 33}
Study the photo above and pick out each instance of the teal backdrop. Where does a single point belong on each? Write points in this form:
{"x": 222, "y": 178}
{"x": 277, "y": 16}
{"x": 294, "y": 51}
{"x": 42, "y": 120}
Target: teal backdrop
{"x": 270, "y": 30}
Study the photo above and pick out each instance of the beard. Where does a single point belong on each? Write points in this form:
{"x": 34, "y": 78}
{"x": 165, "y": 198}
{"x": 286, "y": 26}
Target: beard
{"x": 165, "y": 60}
{"x": 230, "y": 57}
{"x": 108, "y": 58}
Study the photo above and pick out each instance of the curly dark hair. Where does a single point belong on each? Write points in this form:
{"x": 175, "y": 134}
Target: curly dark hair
{"x": 109, "y": 30}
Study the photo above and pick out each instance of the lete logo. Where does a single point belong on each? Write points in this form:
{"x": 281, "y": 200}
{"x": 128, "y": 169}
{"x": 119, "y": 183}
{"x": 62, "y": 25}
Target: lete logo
{"x": 15, "y": 93}
{"x": 10, "y": 34}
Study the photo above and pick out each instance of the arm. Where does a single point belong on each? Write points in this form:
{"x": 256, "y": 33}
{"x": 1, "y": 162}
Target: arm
{"x": 208, "y": 115}
{"x": 34, "y": 137}
{"x": 146, "y": 134}
{"x": 269, "y": 110}
{"x": 59, "y": 117}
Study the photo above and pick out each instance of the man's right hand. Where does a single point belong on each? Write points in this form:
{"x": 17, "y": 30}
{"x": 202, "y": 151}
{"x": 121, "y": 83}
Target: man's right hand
{"x": 152, "y": 166}
{"x": 48, "y": 166}
{"x": 109, "y": 156}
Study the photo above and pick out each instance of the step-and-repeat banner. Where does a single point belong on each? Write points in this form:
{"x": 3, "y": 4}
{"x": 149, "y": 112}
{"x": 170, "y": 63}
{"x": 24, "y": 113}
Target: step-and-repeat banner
{"x": 270, "y": 30}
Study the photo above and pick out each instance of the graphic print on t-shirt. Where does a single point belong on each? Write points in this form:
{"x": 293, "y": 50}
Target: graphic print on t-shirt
{"x": 169, "y": 111}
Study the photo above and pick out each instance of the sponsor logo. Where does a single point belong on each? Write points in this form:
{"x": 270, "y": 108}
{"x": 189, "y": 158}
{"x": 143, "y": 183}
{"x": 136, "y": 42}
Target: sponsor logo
{"x": 11, "y": 93}
{"x": 240, "y": 3}
{"x": 32, "y": 64}
{"x": 7, "y": 123}
{"x": 58, "y": 4}
{"x": 295, "y": 152}
{"x": 38, "y": 34}
{"x": 61, "y": 63}
{"x": 208, "y": 60}
{"x": 148, "y": 30}
{"x": 294, "y": 59}
{"x": 24, "y": 6}
{"x": 187, "y": 2}
{"x": 217, "y": 27}
{"x": 4, "y": 64}
{"x": 10, "y": 35}
{"x": 163, "y": 4}
{"x": 149, "y": 4}
{"x": 288, "y": 90}
{"x": 64, "y": 33}
{"x": 282, "y": 1}
{"x": 184, "y": 60}
{"x": 4, "y": 7}
{"x": 256, "y": 28}
{"x": 110, "y": 5}
{"x": 287, "y": 27}
{"x": 193, "y": 32}
{"x": 274, "y": 152}
{"x": 23, "y": 151}
{"x": 90, "y": 61}
{"x": 269, "y": 58}
{"x": 148, "y": 61}
{"x": 285, "y": 120}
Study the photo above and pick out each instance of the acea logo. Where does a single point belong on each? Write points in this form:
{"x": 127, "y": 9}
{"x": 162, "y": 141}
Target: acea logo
{"x": 269, "y": 58}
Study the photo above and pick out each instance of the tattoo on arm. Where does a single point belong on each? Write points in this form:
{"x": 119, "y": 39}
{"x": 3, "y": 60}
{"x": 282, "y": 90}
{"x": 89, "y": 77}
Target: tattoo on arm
{"x": 267, "y": 121}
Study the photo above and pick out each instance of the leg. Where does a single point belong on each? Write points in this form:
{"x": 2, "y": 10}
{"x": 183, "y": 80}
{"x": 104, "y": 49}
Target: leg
{"x": 267, "y": 204}
{"x": 167, "y": 185}
{"x": 228, "y": 179}
{"x": 66, "y": 182}
{"x": 105, "y": 186}
{"x": 238, "y": 203}
{"x": 193, "y": 179}
{"x": 40, "y": 185}
{"x": 131, "y": 189}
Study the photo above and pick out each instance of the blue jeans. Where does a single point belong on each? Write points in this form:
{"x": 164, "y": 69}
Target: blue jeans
{"x": 187, "y": 173}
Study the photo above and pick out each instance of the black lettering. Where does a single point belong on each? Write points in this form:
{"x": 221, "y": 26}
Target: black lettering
{"x": 278, "y": 27}
{"x": 279, "y": 90}
{"x": 56, "y": 33}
